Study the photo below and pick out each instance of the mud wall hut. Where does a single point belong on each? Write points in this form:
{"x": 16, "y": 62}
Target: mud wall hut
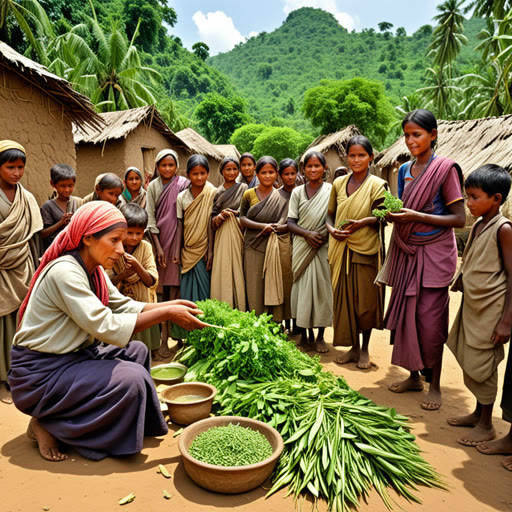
{"x": 128, "y": 138}
{"x": 228, "y": 150}
{"x": 332, "y": 146}
{"x": 201, "y": 146}
{"x": 37, "y": 110}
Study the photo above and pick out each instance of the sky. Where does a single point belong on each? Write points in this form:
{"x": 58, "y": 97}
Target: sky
{"x": 222, "y": 24}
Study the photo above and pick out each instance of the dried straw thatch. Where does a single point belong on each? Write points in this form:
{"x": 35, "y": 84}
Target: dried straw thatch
{"x": 199, "y": 144}
{"x": 75, "y": 106}
{"x": 228, "y": 150}
{"x": 120, "y": 124}
{"x": 336, "y": 141}
{"x": 470, "y": 143}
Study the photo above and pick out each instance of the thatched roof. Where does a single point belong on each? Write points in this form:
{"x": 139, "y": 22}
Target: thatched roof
{"x": 336, "y": 141}
{"x": 75, "y": 106}
{"x": 470, "y": 143}
{"x": 121, "y": 123}
{"x": 228, "y": 150}
{"x": 199, "y": 144}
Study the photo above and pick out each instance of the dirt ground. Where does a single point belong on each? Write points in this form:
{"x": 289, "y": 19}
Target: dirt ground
{"x": 476, "y": 482}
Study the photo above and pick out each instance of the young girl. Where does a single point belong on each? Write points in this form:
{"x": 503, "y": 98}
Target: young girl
{"x": 247, "y": 168}
{"x": 108, "y": 188}
{"x": 263, "y": 211}
{"x": 20, "y": 220}
{"x": 227, "y": 241}
{"x": 354, "y": 253}
{"x": 422, "y": 257}
{"x": 311, "y": 295}
{"x": 162, "y": 194}
{"x": 194, "y": 208}
{"x": 288, "y": 172}
{"x": 134, "y": 191}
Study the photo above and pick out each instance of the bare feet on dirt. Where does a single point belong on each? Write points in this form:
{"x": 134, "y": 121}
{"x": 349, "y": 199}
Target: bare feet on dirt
{"x": 48, "y": 444}
{"x": 321, "y": 346}
{"x": 477, "y": 435}
{"x": 5, "y": 394}
{"x": 352, "y": 356}
{"x": 433, "y": 401}
{"x": 501, "y": 446}
{"x": 507, "y": 463}
{"x": 364, "y": 360}
{"x": 470, "y": 420}
{"x": 412, "y": 383}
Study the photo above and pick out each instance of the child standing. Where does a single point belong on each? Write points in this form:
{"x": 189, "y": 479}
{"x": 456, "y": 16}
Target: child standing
{"x": 193, "y": 210}
{"x": 20, "y": 220}
{"x": 134, "y": 191}
{"x": 484, "y": 320}
{"x": 226, "y": 241}
{"x": 135, "y": 273}
{"x": 57, "y": 212}
{"x": 311, "y": 295}
{"x": 162, "y": 194}
{"x": 108, "y": 188}
{"x": 422, "y": 258}
{"x": 354, "y": 254}
{"x": 248, "y": 173}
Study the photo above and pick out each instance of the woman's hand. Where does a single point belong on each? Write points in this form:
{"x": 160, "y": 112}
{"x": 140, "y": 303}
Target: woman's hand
{"x": 314, "y": 239}
{"x": 208, "y": 258}
{"x": 404, "y": 216}
{"x": 339, "y": 234}
{"x": 160, "y": 257}
{"x": 353, "y": 225}
{"x": 267, "y": 229}
{"x": 280, "y": 229}
{"x": 184, "y": 313}
{"x": 501, "y": 334}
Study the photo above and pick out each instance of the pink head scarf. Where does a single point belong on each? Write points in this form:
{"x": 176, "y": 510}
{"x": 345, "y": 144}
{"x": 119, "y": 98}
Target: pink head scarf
{"x": 91, "y": 218}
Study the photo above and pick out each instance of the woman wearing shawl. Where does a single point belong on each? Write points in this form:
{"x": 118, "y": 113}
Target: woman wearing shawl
{"x": 248, "y": 176}
{"x": 20, "y": 220}
{"x": 355, "y": 254}
{"x": 227, "y": 241}
{"x": 422, "y": 258}
{"x": 73, "y": 369}
{"x": 162, "y": 194}
{"x": 134, "y": 191}
{"x": 311, "y": 295}
{"x": 263, "y": 214}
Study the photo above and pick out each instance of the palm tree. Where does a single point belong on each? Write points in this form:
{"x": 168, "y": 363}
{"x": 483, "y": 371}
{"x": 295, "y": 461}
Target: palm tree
{"x": 32, "y": 20}
{"x": 487, "y": 8}
{"x": 447, "y": 36}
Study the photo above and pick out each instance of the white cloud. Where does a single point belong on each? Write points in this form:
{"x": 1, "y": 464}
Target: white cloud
{"x": 343, "y": 18}
{"x": 252, "y": 34}
{"x": 217, "y": 30}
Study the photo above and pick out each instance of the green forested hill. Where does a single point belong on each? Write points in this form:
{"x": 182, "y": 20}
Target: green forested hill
{"x": 273, "y": 70}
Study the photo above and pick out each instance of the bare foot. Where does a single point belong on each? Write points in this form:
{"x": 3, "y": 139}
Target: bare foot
{"x": 507, "y": 463}
{"x": 7, "y": 399}
{"x": 155, "y": 356}
{"x": 321, "y": 346}
{"x": 364, "y": 360}
{"x": 48, "y": 445}
{"x": 304, "y": 344}
{"x": 502, "y": 446}
{"x": 348, "y": 357}
{"x": 410, "y": 384}
{"x": 5, "y": 394}
{"x": 164, "y": 351}
{"x": 470, "y": 420}
{"x": 477, "y": 435}
{"x": 433, "y": 401}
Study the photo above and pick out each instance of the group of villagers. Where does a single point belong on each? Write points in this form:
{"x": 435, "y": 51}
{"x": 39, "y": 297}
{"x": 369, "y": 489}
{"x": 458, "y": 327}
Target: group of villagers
{"x": 311, "y": 255}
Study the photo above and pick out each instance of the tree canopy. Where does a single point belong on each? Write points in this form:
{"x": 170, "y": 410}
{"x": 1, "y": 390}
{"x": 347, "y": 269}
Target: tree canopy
{"x": 333, "y": 105}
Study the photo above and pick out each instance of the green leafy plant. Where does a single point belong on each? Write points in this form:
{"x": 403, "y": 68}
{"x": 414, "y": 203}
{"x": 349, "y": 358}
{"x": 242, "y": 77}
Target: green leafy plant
{"x": 390, "y": 204}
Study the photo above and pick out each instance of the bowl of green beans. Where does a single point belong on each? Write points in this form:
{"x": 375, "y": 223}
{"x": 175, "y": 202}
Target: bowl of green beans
{"x": 189, "y": 402}
{"x": 230, "y": 454}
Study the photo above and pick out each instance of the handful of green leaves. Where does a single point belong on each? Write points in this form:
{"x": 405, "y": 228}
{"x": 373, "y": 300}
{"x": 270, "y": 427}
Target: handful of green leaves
{"x": 338, "y": 444}
{"x": 390, "y": 204}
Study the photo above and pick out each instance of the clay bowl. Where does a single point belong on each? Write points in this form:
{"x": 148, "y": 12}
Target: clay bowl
{"x": 229, "y": 479}
{"x": 185, "y": 413}
{"x": 170, "y": 381}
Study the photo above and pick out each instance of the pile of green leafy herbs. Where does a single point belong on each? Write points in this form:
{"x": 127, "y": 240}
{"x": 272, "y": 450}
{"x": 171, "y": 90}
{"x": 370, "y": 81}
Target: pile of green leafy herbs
{"x": 338, "y": 444}
{"x": 390, "y": 204}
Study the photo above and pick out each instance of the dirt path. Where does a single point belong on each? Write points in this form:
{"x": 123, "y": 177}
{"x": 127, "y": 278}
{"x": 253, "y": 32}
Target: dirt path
{"x": 477, "y": 482}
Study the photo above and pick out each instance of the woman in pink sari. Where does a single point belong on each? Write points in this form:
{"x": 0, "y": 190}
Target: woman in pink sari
{"x": 422, "y": 258}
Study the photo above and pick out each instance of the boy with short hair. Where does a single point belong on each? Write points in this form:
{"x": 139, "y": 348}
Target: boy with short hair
{"x": 483, "y": 324}
{"x": 57, "y": 212}
{"x": 135, "y": 273}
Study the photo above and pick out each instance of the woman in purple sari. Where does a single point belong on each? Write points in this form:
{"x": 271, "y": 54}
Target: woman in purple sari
{"x": 162, "y": 224}
{"x": 74, "y": 369}
{"x": 422, "y": 258}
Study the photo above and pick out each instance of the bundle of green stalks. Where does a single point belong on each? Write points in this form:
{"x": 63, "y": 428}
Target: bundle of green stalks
{"x": 338, "y": 444}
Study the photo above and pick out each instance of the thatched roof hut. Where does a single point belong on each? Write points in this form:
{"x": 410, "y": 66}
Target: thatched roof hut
{"x": 128, "y": 138}
{"x": 333, "y": 147}
{"x": 228, "y": 150}
{"x": 470, "y": 143}
{"x": 201, "y": 146}
{"x": 38, "y": 109}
